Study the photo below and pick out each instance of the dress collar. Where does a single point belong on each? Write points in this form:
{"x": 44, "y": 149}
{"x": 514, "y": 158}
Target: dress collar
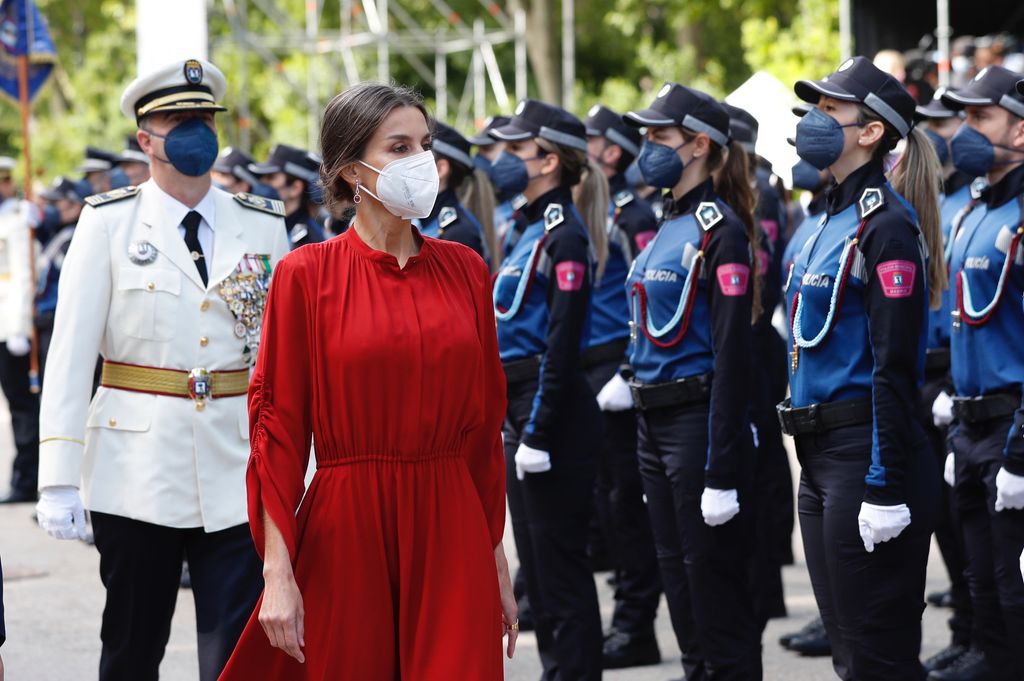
{"x": 534, "y": 210}
{"x": 174, "y": 211}
{"x": 688, "y": 202}
{"x": 846, "y": 194}
{"x": 356, "y": 243}
{"x": 1008, "y": 188}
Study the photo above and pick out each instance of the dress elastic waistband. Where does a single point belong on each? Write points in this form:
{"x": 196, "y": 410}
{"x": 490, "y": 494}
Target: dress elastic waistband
{"x": 419, "y": 457}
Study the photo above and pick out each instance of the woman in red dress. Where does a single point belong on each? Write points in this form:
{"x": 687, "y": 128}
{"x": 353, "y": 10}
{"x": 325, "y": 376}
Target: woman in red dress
{"x": 379, "y": 349}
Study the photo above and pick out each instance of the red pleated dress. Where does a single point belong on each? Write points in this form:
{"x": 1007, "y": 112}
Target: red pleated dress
{"x": 393, "y": 375}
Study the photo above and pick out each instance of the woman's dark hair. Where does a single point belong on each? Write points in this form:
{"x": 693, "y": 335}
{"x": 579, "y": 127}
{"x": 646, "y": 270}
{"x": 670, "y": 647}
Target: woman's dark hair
{"x": 350, "y": 120}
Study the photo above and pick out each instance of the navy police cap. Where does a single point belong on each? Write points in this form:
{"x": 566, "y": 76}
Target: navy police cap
{"x": 935, "y": 109}
{"x": 292, "y": 161}
{"x": 236, "y": 162}
{"x": 546, "y": 121}
{"x": 1020, "y": 87}
{"x": 603, "y": 122}
{"x": 450, "y": 144}
{"x": 677, "y": 105}
{"x": 62, "y": 188}
{"x": 858, "y": 80}
{"x": 993, "y": 86}
{"x": 742, "y": 126}
{"x": 484, "y": 139}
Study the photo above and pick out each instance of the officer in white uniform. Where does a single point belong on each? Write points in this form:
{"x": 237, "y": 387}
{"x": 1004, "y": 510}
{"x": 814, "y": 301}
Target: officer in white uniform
{"x": 167, "y": 282}
{"x": 16, "y": 291}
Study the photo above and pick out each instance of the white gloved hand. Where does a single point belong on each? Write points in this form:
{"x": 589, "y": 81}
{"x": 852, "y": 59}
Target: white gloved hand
{"x": 615, "y": 395}
{"x": 530, "y": 460}
{"x": 719, "y": 506}
{"x": 31, "y": 214}
{"x": 60, "y": 512}
{"x": 18, "y": 346}
{"x": 1009, "y": 490}
{"x": 949, "y": 472}
{"x": 942, "y": 410}
{"x": 881, "y": 523}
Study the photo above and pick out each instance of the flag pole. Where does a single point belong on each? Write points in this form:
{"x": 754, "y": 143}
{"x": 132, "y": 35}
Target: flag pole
{"x": 33, "y": 371}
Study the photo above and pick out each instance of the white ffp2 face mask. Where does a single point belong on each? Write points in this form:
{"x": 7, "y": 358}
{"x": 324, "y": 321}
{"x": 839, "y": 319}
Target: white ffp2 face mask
{"x": 407, "y": 187}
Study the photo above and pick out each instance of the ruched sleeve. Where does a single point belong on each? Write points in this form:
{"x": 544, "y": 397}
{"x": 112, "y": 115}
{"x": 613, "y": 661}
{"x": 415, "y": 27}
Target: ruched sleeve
{"x": 280, "y": 397}
{"x": 485, "y": 456}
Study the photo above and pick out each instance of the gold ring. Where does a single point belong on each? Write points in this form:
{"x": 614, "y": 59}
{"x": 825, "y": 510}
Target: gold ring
{"x": 514, "y": 626}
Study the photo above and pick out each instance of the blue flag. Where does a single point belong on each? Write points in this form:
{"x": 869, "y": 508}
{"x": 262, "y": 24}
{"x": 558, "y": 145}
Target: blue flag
{"x": 23, "y": 32}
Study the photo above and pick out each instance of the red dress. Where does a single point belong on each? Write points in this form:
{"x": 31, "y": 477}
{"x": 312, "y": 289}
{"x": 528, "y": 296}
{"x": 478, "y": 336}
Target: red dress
{"x": 395, "y": 377}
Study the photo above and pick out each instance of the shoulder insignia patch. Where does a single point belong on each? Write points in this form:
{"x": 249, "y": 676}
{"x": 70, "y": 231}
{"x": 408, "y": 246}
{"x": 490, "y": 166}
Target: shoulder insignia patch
{"x": 978, "y": 186}
{"x": 870, "y": 201}
{"x": 709, "y": 215}
{"x": 623, "y": 198}
{"x": 260, "y": 203}
{"x": 447, "y": 216}
{"x": 113, "y": 195}
{"x": 553, "y": 216}
{"x": 518, "y": 201}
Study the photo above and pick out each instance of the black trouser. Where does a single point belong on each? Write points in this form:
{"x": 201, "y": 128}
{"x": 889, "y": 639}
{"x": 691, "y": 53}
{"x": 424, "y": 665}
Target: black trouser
{"x": 638, "y": 584}
{"x": 705, "y": 570}
{"x": 140, "y": 565}
{"x": 774, "y": 479}
{"x": 871, "y": 602}
{"x": 948, "y": 529}
{"x": 993, "y": 541}
{"x": 24, "y": 408}
{"x": 550, "y": 515}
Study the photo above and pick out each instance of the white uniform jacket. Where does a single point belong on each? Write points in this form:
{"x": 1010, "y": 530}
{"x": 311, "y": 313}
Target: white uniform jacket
{"x": 144, "y": 456}
{"x": 17, "y": 290}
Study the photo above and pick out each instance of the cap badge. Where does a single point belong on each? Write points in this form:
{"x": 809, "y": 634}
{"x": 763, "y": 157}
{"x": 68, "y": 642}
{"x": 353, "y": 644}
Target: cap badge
{"x": 141, "y": 253}
{"x": 845, "y": 65}
{"x": 981, "y": 74}
{"x": 193, "y": 72}
{"x": 594, "y": 110}
{"x": 665, "y": 89}
{"x": 520, "y": 107}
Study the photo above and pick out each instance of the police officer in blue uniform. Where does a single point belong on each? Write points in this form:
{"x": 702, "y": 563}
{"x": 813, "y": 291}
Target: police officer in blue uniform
{"x": 542, "y": 300}
{"x": 858, "y": 294}
{"x": 614, "y": 145}
{"x": 692, "y": 291}
{"x": 987, "y": 277}
{"x": 940, "y": 123}
{"x": 449, "y": 219}
{"x": 292, "y": 173}
{"x": 231, "y": 173}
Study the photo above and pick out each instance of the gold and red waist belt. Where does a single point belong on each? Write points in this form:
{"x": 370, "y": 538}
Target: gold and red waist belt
{"x": 197, "y": 384}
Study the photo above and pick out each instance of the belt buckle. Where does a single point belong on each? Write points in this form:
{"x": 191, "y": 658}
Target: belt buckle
{"x": 199, "y": 387}
{"x": 638, "y": 400}
{"x": 815, "y": 416}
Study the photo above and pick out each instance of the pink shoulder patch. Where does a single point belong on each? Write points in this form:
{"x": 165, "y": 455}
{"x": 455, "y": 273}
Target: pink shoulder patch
{"x": 644, "y": 238}
{"x": 570, "y": 275}
{"x": 733, "y": 279}
{"x": 897, "y": 277}
{"x": 771, "y": 228}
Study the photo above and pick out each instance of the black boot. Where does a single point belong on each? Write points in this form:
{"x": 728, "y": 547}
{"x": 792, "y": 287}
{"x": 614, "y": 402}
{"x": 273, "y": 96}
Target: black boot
{"x": 811, "y": 627}
{"x": 814, "y": 643}
{"x": 941, "y": 599}
{"x": 971, "y": 666}
{"x": 623, "y": 650}
{"x": 944, "y": 657}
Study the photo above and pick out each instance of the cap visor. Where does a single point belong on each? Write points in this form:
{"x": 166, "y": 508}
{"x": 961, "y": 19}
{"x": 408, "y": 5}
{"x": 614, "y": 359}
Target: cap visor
{"x": 222, "y": 168}
{"x": 483, "y": 140}
{"x": 511, "y": 133}
{"x": 263, "y": 168}
{"x": 964, "y": 97}
{"x": 932, "y": 110}
{"x": 186, "y": 106}
{"x": 812, "y": 90}
{"x": 647, "y": 118}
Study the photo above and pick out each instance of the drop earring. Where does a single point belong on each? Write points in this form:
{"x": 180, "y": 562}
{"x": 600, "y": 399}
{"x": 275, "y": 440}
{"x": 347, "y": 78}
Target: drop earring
{"x": 356, "y": 198}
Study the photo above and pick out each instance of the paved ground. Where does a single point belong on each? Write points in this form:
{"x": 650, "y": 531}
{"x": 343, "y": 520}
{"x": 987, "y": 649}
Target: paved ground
{"x": 54, "y": 599}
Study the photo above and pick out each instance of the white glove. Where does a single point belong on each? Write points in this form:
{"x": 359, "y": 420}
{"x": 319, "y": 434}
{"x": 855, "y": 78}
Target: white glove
{"x": 61, "y": 513}
{"x": 18, "y": 346}
{"x": 615, "y": 395}
{"x": 881, "y": 523}
{"x": 942, "y": 410}
{"x": 949, "y": 472}
{"x": 530, "y": 460}
{"x": 1009, "y": 490}
{"x": 719, "y": 506}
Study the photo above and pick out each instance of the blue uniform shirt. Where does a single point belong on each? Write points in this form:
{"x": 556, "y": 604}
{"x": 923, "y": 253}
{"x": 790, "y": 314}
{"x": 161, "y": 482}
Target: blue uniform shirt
{"x": 939, "y": 321}
{"x": 303, "y": 228}
{"x": 449, "y": 220}
{"x": 875, "y": 346}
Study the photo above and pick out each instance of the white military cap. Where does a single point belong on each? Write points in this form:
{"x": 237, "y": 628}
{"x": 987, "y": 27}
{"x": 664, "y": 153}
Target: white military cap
{"x": 7, "y": 163}
{"x": 191, "y": 85}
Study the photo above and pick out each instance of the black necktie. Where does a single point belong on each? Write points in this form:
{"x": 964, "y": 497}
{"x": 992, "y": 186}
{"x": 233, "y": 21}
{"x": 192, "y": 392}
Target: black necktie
{"x": 191, "y": 223}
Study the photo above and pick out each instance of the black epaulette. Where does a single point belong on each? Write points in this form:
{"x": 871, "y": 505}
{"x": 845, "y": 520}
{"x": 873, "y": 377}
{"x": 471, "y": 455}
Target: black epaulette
{"x": 97, "y": 200}
{"x": 260, "y": 203}
{"x": 870, "y": 201}
{"x": 553, "y": 216}
{"x": 623, "y": 198}
{"x": 708, "y": 215}
{"x": 447, "y": 216}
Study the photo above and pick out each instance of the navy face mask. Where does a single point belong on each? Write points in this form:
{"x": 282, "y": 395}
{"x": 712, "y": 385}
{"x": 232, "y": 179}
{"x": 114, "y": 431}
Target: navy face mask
{"x": 940, "y": 143}
{"x": 634, "y": 178}
{"x": 974, "y": 154}
{"x": 806, "y": 176}
{"x": 510, "y": 175}
{"x": 191, "y": 147}
{"x": 660, "y": 164}
{"x": 820, "y": 139}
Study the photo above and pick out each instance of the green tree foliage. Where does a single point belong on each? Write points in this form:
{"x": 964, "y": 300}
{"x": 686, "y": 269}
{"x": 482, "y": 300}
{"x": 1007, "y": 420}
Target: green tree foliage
{"x": 807, "y": 47}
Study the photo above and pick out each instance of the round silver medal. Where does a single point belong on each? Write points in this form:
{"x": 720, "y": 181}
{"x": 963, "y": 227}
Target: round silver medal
{"x": 141, "y": 253}
{"x": 240, "y": 330}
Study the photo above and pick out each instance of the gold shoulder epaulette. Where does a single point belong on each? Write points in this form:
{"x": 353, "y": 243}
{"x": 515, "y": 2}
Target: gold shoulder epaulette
{"x": 272, "y": 206}
{"x": 113, "y": 195}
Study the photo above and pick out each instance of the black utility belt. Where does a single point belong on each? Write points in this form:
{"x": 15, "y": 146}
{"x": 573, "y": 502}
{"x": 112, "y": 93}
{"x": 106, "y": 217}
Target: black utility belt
{"x": 522, "y": 370}
{"x": 819, "y": 418}
{"x": 985, "y": 407}
{"x": 692, "y": 390}
{"x": 614, "y": 351}
{"x": 937, "y": 360}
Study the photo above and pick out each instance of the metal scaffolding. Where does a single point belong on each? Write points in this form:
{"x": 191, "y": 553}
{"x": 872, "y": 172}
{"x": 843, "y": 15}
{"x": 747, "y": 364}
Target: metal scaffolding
{"x": 378, "y": 32}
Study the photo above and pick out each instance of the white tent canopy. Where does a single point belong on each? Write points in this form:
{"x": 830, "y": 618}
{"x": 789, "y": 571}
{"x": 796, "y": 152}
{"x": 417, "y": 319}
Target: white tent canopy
{"x": 771, "y": 103}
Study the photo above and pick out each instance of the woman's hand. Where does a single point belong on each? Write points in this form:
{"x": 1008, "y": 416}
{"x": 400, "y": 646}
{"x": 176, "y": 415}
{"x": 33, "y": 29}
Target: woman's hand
{"x": 509, "y": 607}
{"x": 281, "y": 614}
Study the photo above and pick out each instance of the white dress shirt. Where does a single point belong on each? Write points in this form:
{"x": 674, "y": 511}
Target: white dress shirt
{"x": 176, "y": 211}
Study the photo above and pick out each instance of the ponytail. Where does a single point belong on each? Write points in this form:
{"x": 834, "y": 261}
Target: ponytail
{"x": 477, "y": 195}
{"x": 734, "y": 186}
{"x": 916, "y": 178}
{"x": 590, "y": 194}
